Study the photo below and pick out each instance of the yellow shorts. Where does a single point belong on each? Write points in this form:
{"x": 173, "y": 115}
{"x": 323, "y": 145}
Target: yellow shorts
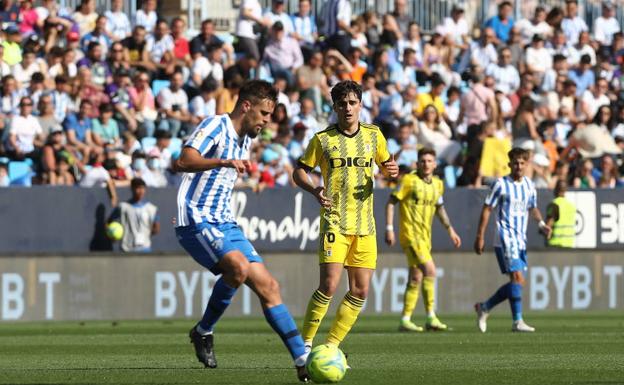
{"x": 349, "y": 250}
{"x": 417, "y": 254}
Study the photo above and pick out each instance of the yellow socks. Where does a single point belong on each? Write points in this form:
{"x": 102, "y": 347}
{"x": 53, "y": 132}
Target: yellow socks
{"x": 345, "y": 318}
{"x": 428, "y": 287}
{"x": 410, "y": 299}
{"x": 317, "y": 308}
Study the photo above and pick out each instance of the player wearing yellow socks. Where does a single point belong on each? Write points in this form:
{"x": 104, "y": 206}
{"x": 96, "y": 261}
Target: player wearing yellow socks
{"x": 420, "y": 197}
{"x": 346, "y": 153}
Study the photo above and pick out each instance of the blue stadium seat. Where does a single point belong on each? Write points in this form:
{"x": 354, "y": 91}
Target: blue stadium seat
{"x": 175, "y": 145}
{"x": 20, "y": 173}
{"x": 148, "y": 143}
{"x": 158, "y": 85}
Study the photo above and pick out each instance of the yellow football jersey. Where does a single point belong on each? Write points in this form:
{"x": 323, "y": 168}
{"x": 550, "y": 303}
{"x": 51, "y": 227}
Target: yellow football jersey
{"x": 418, "y": 201}
{"x": 346, "y": 163}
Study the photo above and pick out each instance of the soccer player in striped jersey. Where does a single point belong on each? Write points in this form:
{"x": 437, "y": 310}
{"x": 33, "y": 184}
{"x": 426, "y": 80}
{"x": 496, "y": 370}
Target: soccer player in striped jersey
{"x": 346, "y": 153}
{"x": 420, "y": 197}
{"x": 514, "y": 197}
{"x": 212, "y": 158}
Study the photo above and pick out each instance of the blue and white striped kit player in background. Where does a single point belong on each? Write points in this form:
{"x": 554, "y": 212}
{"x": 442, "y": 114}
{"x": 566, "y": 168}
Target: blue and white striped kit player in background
{"x": 216, "y": 152}
{"x": 516, "y": 197}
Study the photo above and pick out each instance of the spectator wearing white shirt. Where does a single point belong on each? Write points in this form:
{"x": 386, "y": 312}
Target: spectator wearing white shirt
{"x": 159, "y": 45}
{"x": 204, "y": 67}
{"x": 595, "y": 97}
{"x": 173, "y": 103}
{"x": 304, "y": 26}
{"x": 146, "y": 17}
{"x": 606, "y": 26}
{"x": 306, "y": 117}
{"x": 535, "y": 26}
{"x": 204, "y": 104}
{"x": 278, "y": 13}
{"x": 538, "y": 59}
{"x": 504, "y": 73}
{"x": 25, "y": 133}
{"x": 455, "y": 26}
{"x": 482, "y": 53}
{"x": 85, "y": 16}
{"x": 559, "y": 45}
{"x": 583, "y": 47}
{"x": 30, "y": 64}
{"x": 572, "y": 25}
{"x": 559, "y": 68}
{"x": 249, "y": 18}
{"x": 118, "y": 25}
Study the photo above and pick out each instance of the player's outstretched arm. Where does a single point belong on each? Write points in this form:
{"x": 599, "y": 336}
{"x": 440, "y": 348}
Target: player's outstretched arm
{"x": 392, "y": 201}
{"x": 190, "y": 160}
{"x": 446, "y": 222}
{"x": 301, "y": 179}
{"x": 544, "y": 228}
{"x": 479, "y": 244}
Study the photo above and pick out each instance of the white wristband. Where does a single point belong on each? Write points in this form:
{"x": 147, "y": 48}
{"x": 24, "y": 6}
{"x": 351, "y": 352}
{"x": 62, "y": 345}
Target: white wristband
{"x": 541, "y": 225}
{"x": 389, "y": 228}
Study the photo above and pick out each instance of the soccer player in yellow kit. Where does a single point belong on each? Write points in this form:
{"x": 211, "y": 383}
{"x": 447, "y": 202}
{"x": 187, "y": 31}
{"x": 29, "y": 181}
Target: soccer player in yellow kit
{"x": 420, "y": 196}
{"x": 346, "y": 153}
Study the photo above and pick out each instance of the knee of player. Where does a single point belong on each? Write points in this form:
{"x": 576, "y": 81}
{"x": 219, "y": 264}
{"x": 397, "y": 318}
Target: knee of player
{"x": 240, "y": 271}
{"x": 273, "y": 286}
{"x": 328, "y": 287}
{"x": 518, "y": 277}
{"x": 359, "y": 292}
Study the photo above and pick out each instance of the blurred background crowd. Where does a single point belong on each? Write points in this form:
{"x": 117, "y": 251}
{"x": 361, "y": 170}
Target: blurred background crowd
{"x": 91, "y": 98}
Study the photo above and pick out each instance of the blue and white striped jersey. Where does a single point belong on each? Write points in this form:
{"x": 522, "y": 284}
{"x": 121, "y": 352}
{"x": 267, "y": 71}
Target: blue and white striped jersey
{"x": 514, "y": 200}
{"x": 205, "y": 196}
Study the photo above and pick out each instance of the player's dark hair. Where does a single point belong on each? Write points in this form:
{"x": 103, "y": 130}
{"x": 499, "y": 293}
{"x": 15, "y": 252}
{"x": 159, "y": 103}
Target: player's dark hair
{"x": 256, "y": 91}
{"x": 344, "y": 88}
{"x": 137, "y": 182}
{"x": 518, "y": 152}
{"x": 426, "y": 151}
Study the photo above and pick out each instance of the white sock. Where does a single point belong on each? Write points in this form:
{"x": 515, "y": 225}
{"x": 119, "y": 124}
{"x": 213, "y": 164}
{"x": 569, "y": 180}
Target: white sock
{"x": 431, "y": 314}
{"x": 405, "y": 318}
{"x": 301, "y": 360}
{"x": 202, "y": 331}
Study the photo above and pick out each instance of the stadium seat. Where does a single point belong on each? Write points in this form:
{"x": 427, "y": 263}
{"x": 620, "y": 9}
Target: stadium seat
{"x": 175, "y": 145}
{"x": 148, "y": 143}
{"x": 158, "y": 85}
{"x": 20, "y": 173}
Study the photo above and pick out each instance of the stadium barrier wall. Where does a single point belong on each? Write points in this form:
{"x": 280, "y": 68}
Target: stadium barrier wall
{"x": 71, "y": 220}
{"x": 115, "y": 287}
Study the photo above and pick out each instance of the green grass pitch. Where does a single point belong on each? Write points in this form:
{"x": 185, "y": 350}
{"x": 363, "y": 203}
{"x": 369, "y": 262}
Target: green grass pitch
{"x": 568, "y": 348}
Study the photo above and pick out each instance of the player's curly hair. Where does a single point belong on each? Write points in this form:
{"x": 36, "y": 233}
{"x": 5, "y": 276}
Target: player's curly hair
{"x": 256, "y": 91}
{"x": 344, "y": 88}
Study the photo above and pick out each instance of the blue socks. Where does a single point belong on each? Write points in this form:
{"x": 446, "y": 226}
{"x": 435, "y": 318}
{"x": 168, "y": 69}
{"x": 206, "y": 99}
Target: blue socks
{"x": 515, "y": 300}
{"x": 499, "y": 296}
{"x": 511, "y": 291}
{"x": 282, "y": 322}
{"x": 220, "y": 299}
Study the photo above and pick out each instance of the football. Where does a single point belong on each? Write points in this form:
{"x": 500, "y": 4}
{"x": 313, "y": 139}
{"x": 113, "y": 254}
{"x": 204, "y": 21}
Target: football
{"x": 114, "y": 231}
{"x": 326, "y": 364}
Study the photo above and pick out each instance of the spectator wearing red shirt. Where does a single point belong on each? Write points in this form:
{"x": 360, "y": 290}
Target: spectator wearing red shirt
{"x": 181, "y": 47}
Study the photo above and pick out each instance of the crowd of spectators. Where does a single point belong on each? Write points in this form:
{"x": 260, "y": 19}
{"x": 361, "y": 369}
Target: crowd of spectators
{"x": 90, "y": 99}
